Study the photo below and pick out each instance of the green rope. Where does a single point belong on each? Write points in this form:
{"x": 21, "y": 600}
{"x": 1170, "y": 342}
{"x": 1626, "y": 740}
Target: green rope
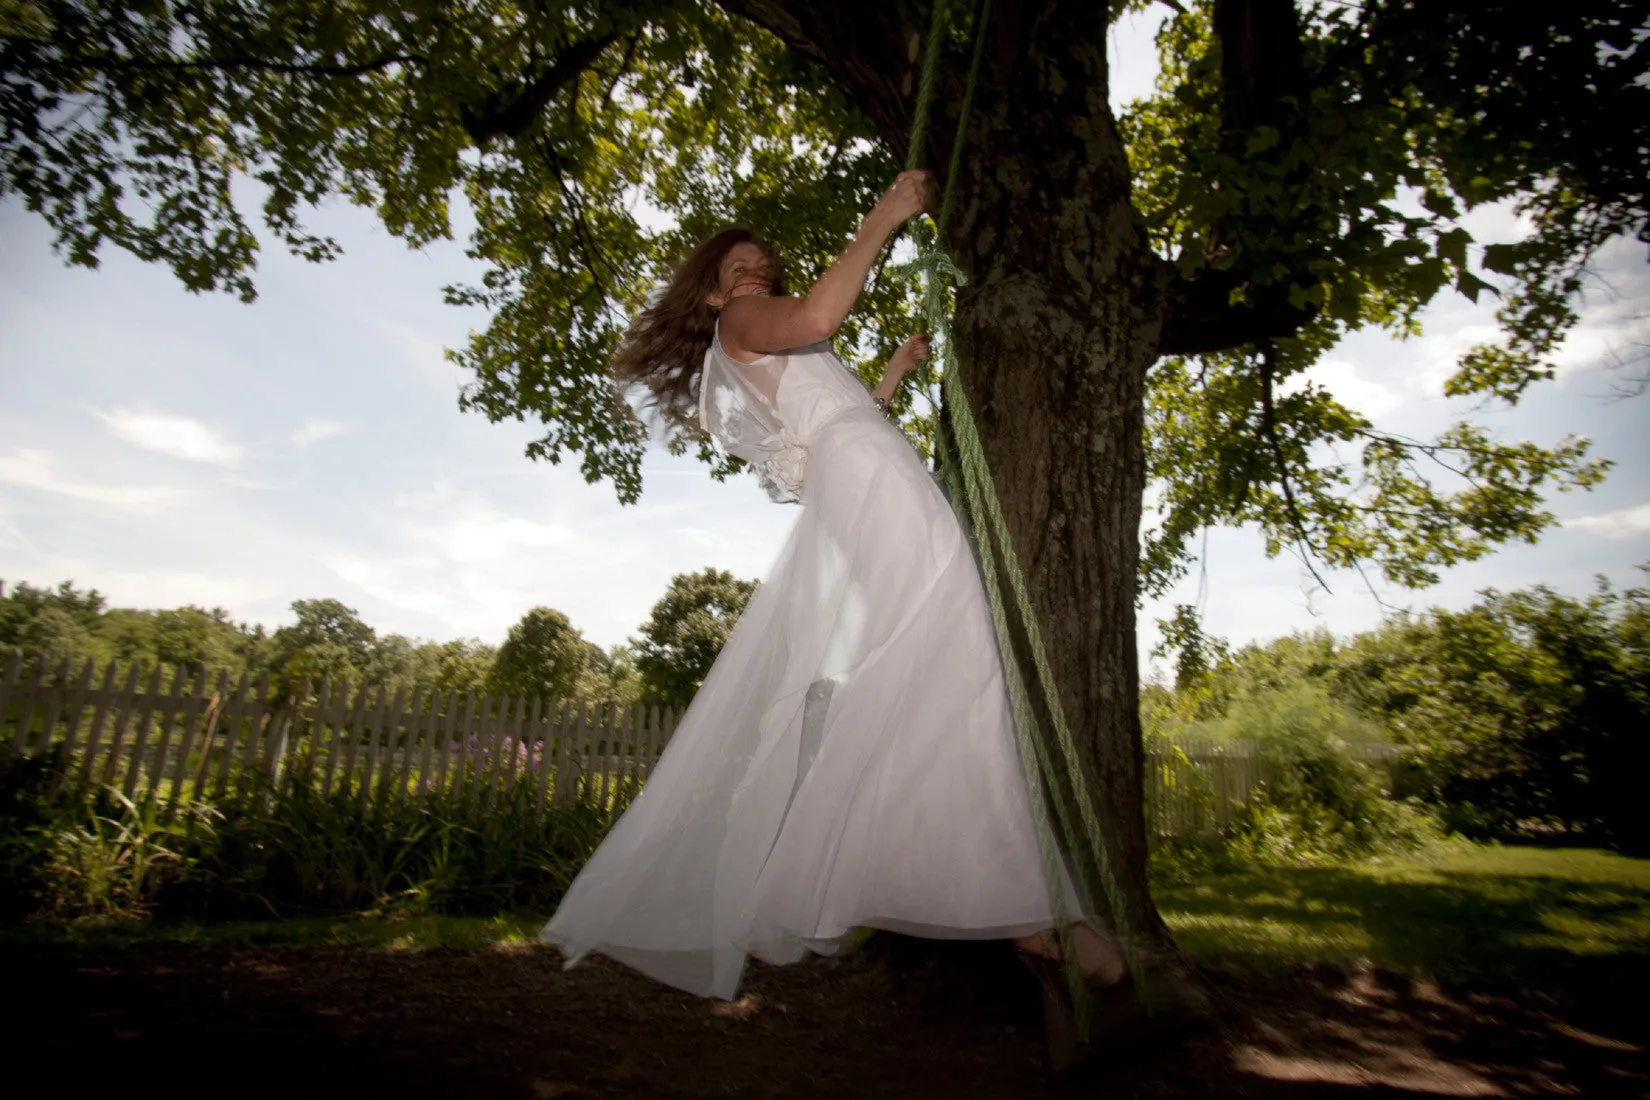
{"x": 925, "y": 88}
{"x": 968, "y": 478}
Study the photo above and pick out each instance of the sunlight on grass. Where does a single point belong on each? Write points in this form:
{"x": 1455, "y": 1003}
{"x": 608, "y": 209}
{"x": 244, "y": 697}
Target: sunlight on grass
{"x": 1462, "y": 911}
{"x": 1263, "y": 942}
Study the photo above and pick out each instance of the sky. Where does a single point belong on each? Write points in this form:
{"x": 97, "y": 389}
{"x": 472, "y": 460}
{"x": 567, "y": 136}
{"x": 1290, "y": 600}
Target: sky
{"x": 168, "y": 448}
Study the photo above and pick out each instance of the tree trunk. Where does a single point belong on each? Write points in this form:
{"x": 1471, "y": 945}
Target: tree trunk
{"x": 1055, "y": 331}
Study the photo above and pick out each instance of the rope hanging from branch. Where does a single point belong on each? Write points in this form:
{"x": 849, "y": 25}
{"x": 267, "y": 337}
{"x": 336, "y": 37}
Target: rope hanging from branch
{"x": 1051, "y": 763}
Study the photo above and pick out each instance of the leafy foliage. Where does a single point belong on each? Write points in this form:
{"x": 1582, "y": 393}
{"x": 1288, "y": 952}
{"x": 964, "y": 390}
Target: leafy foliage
{"x": 593, "y": 141}
{"x": 1525, "y": 713}
{"x": 1347, "y": 205}
{"x": 687, "y": 629}
{"x": 1522, "y": 716}
{"x": 96, "y": 854}
{"x": 542, "y": 655}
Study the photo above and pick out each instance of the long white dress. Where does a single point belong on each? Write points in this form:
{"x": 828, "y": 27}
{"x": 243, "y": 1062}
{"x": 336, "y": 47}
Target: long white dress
{"x": 850, "y": 760}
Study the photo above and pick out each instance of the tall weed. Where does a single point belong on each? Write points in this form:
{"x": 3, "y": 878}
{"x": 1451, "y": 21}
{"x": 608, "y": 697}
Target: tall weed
{"x": 478, "y": 845}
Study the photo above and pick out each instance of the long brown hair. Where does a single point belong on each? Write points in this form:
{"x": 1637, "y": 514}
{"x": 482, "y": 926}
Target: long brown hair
{"x": 664, "y": 348}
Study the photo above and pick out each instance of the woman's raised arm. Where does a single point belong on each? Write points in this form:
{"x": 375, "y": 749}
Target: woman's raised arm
{"x": 760, "y": 324}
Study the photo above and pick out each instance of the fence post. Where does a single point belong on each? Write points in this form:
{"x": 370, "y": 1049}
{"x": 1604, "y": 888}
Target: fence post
{"x": 54, "y": 703}
{"x": 120, "y": 717}
{"x": 77, "y": 704}
{"x": 169, "y": 709}
{"x": 192, "y": 707}
{"x": 140, "y": 733}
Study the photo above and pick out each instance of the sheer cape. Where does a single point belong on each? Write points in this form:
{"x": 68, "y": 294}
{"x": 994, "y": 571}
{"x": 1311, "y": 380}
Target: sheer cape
{"x": 745, "y": 420}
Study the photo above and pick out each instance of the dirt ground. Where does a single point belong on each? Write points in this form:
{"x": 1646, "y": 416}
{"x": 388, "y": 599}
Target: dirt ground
{"x": 509, "y": 1022}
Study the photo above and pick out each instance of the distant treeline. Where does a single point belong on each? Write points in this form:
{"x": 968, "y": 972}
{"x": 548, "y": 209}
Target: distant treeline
{"x": 543, "y": 653}
{"x": 1526, "y": 715}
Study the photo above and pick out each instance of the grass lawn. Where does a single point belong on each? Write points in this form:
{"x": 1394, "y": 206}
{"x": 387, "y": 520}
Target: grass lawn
{"x": 1499, "y": 914}
{"x": 1505, "y": 915}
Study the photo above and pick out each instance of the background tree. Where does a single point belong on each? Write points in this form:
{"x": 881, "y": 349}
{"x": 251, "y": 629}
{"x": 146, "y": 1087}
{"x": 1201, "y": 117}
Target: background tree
{"x": 461, "y": 665}
{"x": 543, "y": 655}
{"x": 56, "y": 622}
{"x": 128, "y": 634}
{"x": 1221, "y": 235}
{"x": 1522, "y": 717}
{"x": 328, "y": 640}
{"x": 686, "y": 630}
{"x": 193, "y": 639}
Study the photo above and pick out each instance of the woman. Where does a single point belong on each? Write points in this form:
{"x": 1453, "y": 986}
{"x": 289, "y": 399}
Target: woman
{"x": 850, "y": 760}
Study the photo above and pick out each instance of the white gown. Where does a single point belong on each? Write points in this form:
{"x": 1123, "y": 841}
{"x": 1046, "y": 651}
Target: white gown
{"x": 850, "y": 759}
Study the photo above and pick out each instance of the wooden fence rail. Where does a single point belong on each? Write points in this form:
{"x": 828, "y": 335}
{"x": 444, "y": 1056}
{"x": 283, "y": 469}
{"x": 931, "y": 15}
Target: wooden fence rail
{"x": 203, "y": 737}
{"x": 207, "y": 738}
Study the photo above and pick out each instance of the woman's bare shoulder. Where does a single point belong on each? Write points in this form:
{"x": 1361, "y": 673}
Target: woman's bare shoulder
{"x": 754, "y": 325}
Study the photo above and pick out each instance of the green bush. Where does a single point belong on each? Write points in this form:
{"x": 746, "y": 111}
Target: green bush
{"x": 1324, "y": 802}
{"x": 471, "y": 848}
{"x": 25, "y": 815}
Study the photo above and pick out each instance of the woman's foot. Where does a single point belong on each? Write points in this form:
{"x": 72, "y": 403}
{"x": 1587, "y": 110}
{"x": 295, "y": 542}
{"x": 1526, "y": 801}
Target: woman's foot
{"x": 1098, "y": 956}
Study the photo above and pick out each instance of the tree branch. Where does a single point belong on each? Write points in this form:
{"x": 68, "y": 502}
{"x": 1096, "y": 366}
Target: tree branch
{"x": 1269, "y": 428}
{"x": 862, "y": 46}
{"x": 587, "y": 238}
{"x": 623, "y": 68}
{"x": 1260, "y": 64}
{"x": 502, "y": 115}
{"x": 1261, "y": 68}
{"x": 1202, "y": 318}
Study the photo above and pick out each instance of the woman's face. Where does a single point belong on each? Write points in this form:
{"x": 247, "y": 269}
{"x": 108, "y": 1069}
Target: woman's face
{"x": 744, "y": 270}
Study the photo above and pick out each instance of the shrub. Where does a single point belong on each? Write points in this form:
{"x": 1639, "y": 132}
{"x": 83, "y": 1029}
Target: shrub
{"x": 1323, "y": 801}
{"x": 472, "y": 847}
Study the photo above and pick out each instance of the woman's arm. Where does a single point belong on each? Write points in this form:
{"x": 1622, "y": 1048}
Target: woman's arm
{"x": 901, "y": 363}
{"x": 760, "y": 324}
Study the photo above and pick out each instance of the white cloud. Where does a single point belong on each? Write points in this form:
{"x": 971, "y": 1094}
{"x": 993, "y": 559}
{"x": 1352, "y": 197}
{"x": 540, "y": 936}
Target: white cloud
{"x": 412, "y": 584}
{"x": 314, "y": 431}
{"x": 698, "y": 536}
{"x": 1614, "y": 525}
{"x": 155, "y": 588}
{"x": 1342, "y": 378}
{"x": 36, "y": 469}
{"x": 491, "y": 537}
{"x": 177, "y": 436}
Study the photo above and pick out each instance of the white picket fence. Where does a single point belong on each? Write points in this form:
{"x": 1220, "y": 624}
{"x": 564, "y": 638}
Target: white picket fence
{"x": 191, "y": 739}
{"x": 173, "y": 738}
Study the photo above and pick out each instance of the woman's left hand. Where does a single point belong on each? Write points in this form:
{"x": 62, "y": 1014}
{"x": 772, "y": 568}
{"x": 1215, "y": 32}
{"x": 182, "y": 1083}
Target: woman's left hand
{"x": 913, "y": 351}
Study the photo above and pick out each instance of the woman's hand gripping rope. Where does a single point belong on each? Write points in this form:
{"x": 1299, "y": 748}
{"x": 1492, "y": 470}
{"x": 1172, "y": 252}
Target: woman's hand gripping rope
{"x": 904, "y": 360}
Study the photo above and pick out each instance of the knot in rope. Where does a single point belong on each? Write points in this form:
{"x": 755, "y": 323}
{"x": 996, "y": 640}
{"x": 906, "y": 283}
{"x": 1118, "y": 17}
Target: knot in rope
{"x": 938, "y": 271}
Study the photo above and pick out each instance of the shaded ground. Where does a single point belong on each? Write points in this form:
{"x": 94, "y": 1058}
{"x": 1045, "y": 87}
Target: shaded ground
{"x": 509, "y": 1022}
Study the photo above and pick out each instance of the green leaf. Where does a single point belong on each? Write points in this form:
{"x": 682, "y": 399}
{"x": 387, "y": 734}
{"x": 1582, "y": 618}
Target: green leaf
{"x": 1502, "y": 258}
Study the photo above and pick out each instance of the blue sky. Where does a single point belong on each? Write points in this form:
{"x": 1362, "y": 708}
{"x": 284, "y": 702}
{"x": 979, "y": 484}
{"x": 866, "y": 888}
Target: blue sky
{"x": 168, "y": 448}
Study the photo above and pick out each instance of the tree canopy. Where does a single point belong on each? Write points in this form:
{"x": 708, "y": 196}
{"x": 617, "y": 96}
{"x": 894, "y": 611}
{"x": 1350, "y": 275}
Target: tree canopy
{"x": 595, "y": 140}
